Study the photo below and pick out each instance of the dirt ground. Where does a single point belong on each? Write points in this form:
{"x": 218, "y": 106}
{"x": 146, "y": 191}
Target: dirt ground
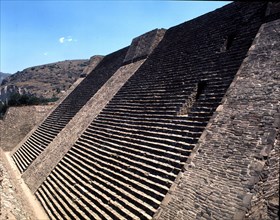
{"x": 10, "y": 206}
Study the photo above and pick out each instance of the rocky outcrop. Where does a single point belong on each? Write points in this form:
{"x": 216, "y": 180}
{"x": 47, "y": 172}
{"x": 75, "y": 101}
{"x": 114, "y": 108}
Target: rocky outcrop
{"x": 3, "y": 76}
{"x": 7, "y": 91}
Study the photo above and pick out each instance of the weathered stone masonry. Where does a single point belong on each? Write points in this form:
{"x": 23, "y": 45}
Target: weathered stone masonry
{"x": 127, "y": 156}
{"x": 123, "y": 164}
{"x": 18, "y": 122}
{"x": 44, "y": 134}
{"x": 47, "y": 160}
{"x": 236, "y": 163}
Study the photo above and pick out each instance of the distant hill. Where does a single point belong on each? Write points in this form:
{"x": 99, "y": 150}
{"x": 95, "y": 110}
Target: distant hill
{"x": 3, "y": 76}
{"x": 48, "y": 80}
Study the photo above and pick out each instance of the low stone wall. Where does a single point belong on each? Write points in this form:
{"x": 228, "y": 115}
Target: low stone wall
{"x": 18, "y": 122}
{"x": 234, "y": 171}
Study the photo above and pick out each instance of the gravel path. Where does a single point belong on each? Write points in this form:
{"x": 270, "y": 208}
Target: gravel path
{"x": 10, "y": 206}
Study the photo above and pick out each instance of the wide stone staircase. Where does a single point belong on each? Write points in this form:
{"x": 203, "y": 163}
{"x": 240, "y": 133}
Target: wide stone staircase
{"x": 124, "y": 163}
{"x": 57, "y": 120}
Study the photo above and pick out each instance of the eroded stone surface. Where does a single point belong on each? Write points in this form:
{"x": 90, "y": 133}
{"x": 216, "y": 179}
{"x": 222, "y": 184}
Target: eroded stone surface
{"x": 235, "y": 174}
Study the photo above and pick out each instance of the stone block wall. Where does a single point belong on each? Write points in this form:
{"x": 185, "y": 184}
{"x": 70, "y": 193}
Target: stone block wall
{"x": 234, "y": 170}
{"x": 143, "y": 45}
{"x": 93, "y": 62}
{"x": 18, "y": 122}
{"x": 265, "y": 204}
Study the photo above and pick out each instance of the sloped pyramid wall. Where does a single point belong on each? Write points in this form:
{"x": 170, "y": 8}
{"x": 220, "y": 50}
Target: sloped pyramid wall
{"x": 124, "y": 163}
{"x": 58, "y": 119}
{"x": 236, "y": 165}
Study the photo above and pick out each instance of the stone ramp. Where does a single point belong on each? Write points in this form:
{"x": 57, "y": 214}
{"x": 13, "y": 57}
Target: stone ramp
{"x": 58, "y": 119}
{"x": 126, "y": 160}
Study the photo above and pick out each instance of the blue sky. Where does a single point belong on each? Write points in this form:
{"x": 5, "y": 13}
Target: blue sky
{"x": 41, "y": 32}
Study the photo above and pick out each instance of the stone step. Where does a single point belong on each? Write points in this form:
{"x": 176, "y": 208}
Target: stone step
{"x": 79, "y": 202}
{"x": 109, "y": 194}
{"x": 51, "y": 125}
{"x": 93, "y": 198}
{"x": 47, "y": 132}
{"x": 160, "y": 90}
{"x": 132, "y": 126}
{"x": 128, "y": 196}
{"x": 60, "y": 115}
{"x": 17, "y": 158}
{"x": 79, "y": 199}
{"x": 135, "y": 105}
{"x": 142, "y": 111}
{"x": 37, "y": 142}
{"x": 23, "y": 158}
{"x": 48, "y": 206}
{"x": 45, "y": 205}
{"x": 34, "y": 144}
{"x": 150, "y": 184}
{"x": 128, "y": 144}
{"x": 151, "y": 94}
{"x": 42, "y": 137}
{"x": 179, "y": 123}
{"x": 50, "y": 128}
{"x": 143, "y": 152}
{"x": 126, "y": 163}
{"x": 106, "y": 150}
{"x": 55, "y": 206}
{"x": 35, "y": 149}
{"x": 139, "y": 131}
{"x": 142, "y": 98}
{"x": 62, "y": 200}
{"x": 173, "y": 150}
{"x": 180, "y": 146}
{"x": 109, "y": 185}
{"x": 20, "y": 161}
{"x": 140, "y": 115}
{"x": 28, "y": 153}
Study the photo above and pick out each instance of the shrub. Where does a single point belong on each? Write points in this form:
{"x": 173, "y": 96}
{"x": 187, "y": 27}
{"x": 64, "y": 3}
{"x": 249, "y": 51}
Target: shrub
{"x": 3, "y": 109}
{"x": 17, "y": 99}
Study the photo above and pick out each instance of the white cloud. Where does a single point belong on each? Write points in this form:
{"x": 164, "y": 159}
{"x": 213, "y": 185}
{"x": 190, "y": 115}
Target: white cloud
{"x": 61, "y": 40}
{"x": 66, "y": 39}
{"x": 69, "y": 39}
{"x": 46, "y": 54}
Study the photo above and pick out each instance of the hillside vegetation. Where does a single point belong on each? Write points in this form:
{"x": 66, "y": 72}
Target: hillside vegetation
{"x": 49, "y": 80}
